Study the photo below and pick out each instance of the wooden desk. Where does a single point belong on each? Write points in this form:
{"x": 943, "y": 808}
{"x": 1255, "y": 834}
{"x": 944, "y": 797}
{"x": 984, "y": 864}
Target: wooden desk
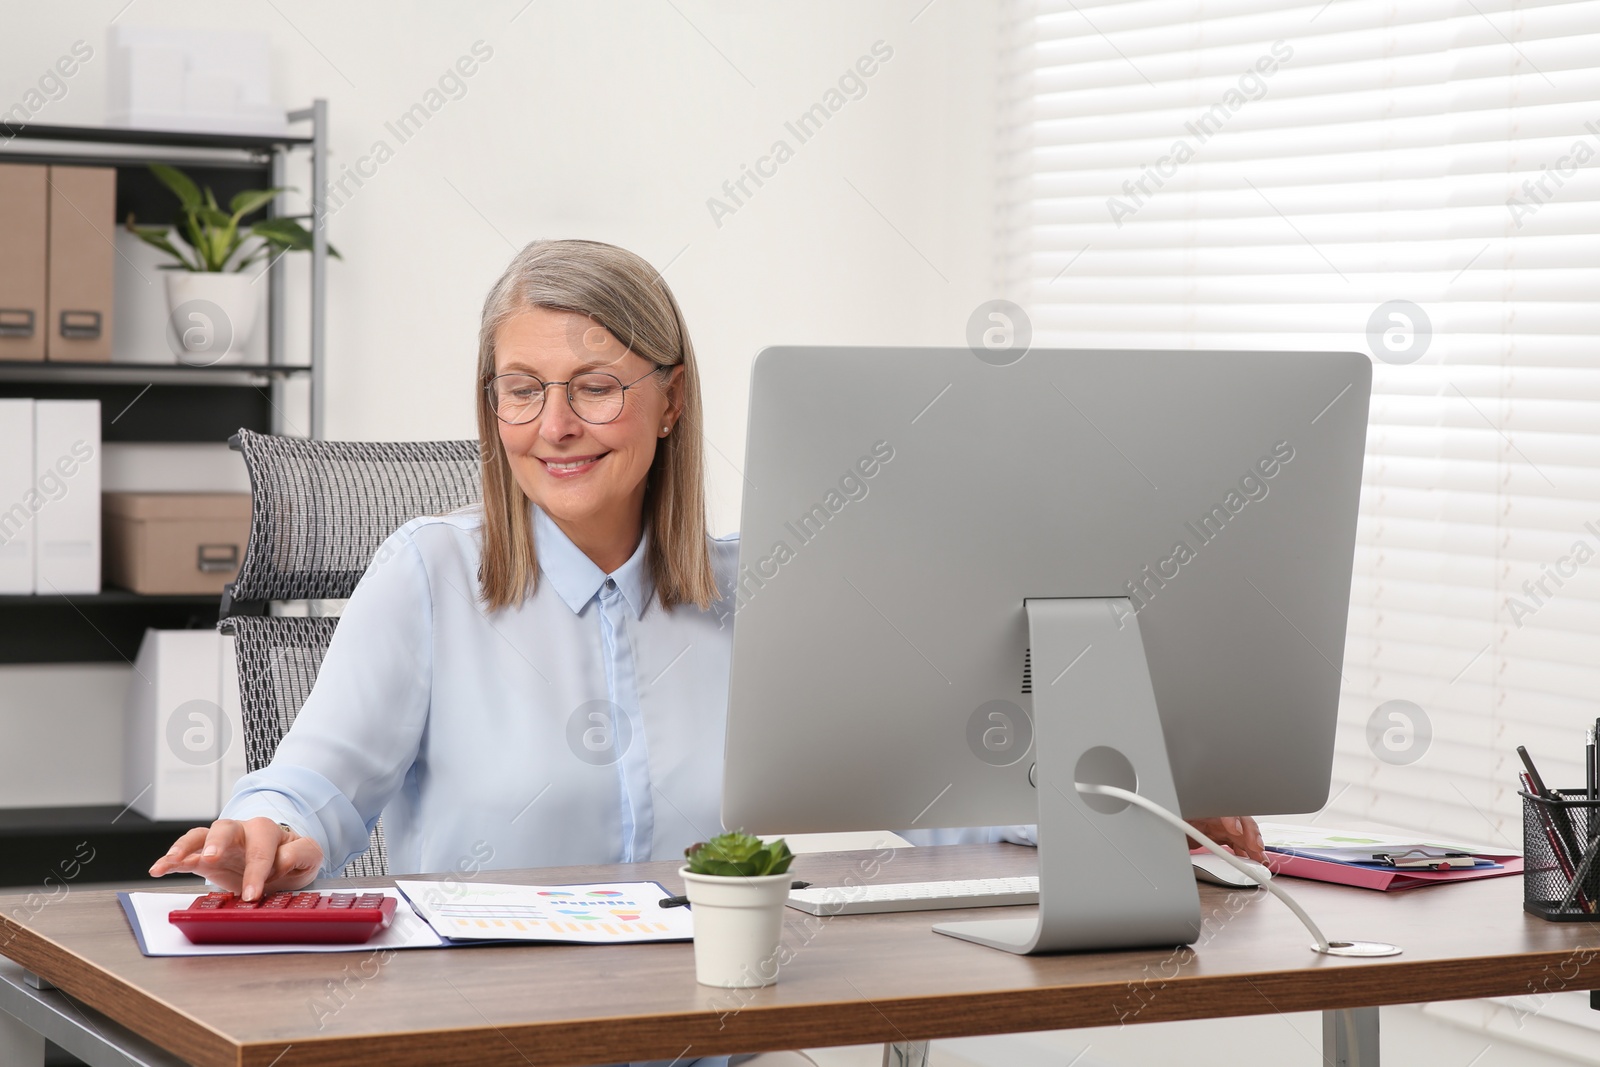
{"x": 852, "y": 979}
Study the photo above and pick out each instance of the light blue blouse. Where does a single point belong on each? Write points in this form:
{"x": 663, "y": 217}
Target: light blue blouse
{"x": 584, "y": 725}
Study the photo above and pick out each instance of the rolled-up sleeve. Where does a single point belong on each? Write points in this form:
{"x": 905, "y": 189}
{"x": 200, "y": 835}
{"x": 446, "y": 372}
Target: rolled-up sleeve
{"x": 353, "y": 744}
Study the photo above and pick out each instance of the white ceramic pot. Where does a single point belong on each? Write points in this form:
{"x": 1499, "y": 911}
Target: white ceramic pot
{"x": 738, "y": 923}
{"x": 211, "y": 315}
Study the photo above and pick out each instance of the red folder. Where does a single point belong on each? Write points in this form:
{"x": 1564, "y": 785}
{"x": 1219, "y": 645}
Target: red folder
{"x": 1383, "y": 879}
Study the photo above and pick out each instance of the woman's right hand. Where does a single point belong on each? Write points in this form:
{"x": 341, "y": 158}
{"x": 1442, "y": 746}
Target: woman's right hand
{"x": 247, "y": 858}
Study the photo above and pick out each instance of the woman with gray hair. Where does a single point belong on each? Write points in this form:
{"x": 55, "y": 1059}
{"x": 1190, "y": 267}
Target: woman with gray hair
{"x": 539, "y": 680}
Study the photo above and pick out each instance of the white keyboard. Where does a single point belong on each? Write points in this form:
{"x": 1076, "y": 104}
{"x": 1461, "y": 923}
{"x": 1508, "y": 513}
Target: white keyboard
{"x": 915, "y": 896}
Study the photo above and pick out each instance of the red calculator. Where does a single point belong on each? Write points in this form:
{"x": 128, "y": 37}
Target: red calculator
{"x": 319, "y": 918}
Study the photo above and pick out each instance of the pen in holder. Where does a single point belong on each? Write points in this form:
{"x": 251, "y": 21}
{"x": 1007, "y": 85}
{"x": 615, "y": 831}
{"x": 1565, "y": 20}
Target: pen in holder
{"x": 1561, "y": 873}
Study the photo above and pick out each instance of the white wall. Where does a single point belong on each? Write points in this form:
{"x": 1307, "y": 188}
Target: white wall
{"x": 614, "y": 121}
{"x": 617, "y": 121}
{"x": 62, "y": 734}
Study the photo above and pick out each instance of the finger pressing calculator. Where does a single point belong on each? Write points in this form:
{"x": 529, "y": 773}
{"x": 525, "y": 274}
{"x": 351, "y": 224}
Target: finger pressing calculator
{"x": 279, "y": 918}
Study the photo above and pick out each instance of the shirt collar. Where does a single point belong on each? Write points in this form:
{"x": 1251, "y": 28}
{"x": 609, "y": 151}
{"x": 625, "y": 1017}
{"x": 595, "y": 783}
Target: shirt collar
{"x": 576, "y": 578}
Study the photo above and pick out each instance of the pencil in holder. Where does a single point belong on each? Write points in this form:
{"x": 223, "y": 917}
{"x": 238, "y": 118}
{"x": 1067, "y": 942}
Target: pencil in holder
{"x": 1561, "y": 849}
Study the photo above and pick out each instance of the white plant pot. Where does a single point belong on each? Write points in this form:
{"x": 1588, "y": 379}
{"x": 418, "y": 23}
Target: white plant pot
{"x": 738, "y": 923}
{"x": 211, "y": 315}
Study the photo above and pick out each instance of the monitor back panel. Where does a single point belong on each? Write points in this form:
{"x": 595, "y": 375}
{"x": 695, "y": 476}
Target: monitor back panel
{"x": 901, "y": 504}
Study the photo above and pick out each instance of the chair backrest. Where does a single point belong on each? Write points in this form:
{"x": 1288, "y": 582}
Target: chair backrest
{"x": 318, "y": 512}
{"x": 320, "y": 509}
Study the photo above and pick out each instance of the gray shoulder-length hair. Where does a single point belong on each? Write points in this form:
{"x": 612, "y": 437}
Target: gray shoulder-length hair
{"x": 628, "y": 297}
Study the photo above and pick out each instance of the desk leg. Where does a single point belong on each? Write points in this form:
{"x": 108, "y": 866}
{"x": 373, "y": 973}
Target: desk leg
{"x": 905, "y": 1054}
{"x": 20, "y": 1044}
{"x": 1350, "y": 1037}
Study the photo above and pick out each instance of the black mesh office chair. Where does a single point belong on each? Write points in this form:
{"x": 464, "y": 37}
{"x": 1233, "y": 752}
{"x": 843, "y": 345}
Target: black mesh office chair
{"x": 318, "y": 512}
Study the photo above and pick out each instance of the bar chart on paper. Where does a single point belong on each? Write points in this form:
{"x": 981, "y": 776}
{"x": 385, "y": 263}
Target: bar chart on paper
{"x": 601, "y": 913}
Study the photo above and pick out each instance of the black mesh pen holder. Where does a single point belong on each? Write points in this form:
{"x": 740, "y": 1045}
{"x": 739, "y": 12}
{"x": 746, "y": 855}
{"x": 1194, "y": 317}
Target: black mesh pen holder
{"x": 1561, "y": 864}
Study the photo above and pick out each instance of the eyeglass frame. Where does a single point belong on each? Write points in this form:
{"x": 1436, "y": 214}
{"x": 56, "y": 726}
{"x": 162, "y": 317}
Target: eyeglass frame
{"x": 488, "y": 388}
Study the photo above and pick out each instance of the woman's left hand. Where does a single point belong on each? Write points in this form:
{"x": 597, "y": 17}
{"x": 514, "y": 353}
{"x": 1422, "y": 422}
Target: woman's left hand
{"x": 1239, "y": 833}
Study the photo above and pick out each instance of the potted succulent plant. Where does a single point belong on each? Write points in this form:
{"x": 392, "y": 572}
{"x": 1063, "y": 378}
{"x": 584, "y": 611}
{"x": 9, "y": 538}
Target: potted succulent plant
{"x": 211, "y": 302}
{"x": 738, "y": 886}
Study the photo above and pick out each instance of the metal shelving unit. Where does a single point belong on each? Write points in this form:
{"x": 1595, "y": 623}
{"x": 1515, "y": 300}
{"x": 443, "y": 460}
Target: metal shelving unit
{"x": 175, "y": 403}
{"x": 103, "y": 627}
{"x": 228, "y": 163}
{"x": 110, "y": 843}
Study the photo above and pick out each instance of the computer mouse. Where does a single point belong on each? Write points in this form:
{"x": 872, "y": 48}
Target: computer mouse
{"x": 1218, "y": 871}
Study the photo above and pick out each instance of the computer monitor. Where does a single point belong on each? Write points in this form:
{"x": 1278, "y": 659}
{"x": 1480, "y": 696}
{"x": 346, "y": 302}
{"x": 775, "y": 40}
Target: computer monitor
{"x": 966, "y": 587}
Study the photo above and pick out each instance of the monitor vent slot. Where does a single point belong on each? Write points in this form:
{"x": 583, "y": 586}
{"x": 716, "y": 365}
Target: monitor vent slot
{"x": 1027, "y": 671}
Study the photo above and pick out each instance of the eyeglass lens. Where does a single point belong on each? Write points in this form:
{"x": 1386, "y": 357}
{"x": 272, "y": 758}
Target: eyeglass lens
{"x": 595, "y": 397}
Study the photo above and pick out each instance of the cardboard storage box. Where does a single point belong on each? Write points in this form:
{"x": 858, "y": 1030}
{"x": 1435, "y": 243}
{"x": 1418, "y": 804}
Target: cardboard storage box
{"x": 174, "y": 542}
{"x": 82, "y": 261}
{"x": 24, "y": 237}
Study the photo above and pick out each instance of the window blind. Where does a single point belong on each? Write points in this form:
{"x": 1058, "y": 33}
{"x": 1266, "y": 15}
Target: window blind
{"x": 1255, "y": 174}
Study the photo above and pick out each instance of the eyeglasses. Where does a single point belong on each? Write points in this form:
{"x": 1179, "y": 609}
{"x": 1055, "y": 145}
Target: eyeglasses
{"x": 594, "y": 396}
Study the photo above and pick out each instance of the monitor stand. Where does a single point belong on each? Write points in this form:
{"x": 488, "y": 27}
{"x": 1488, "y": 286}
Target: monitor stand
{"x": 1110, "y": 876}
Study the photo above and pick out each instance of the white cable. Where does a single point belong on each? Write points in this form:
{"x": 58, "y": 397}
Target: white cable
{"x": 1269, "y": 884}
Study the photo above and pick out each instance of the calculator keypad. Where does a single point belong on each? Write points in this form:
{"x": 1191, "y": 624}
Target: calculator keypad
{"x": 285, "y": 917}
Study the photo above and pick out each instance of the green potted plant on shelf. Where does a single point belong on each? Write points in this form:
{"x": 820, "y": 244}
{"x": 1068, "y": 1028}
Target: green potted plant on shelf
{"x": 738, "y": 886}
{"x": 211, "y": 300}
